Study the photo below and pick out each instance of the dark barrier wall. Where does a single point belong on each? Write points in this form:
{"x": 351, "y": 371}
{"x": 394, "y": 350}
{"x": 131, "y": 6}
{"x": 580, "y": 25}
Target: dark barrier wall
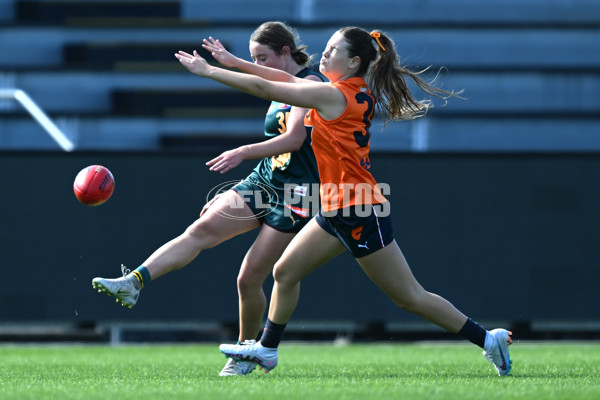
{"x": 504, "y": 237}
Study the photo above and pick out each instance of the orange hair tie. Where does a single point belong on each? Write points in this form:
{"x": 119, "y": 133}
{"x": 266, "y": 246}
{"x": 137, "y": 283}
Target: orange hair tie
{"x": 376, "y": 36}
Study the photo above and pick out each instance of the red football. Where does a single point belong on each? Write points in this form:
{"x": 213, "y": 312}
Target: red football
{"x": 94, "y": 185}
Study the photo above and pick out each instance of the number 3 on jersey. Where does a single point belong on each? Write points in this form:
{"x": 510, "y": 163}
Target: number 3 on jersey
{"x": 362, "y": 137}
{"x": 282, "y": 160}
{"x": 282, "y": 117}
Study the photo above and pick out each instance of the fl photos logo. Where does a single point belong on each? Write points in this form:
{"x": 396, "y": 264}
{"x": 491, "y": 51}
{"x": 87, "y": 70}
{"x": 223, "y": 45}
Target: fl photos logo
{"x": 302, "y": 200}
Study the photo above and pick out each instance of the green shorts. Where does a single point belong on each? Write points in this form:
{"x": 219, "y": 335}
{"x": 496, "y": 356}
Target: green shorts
{"x": 269, "y": 206}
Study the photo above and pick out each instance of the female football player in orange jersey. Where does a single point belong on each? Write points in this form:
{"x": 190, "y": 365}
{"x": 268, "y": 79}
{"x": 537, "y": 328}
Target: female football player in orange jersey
{"x": 364, "y": 73}
{"x": 286, "y": 159}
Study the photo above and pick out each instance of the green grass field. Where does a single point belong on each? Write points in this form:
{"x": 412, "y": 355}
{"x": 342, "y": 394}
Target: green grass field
{"x": 308, "y": 371}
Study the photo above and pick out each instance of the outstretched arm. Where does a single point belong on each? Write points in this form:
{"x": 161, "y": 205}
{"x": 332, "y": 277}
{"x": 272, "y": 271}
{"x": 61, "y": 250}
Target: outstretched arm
{"x": 225, "y": 58}
{"x": 318, "y": 95}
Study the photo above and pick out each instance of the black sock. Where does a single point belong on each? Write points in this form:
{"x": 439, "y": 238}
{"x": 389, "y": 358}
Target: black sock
{"x": 272, "y": 334}
{"x": 473, "y": 332}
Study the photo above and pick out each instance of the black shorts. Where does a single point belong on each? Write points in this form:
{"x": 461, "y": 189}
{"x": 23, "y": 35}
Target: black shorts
{"x": 361, "y": 235}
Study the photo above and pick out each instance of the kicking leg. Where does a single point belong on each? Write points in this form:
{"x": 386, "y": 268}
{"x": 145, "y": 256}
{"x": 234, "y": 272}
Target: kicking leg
{"x": 227, "y": 217}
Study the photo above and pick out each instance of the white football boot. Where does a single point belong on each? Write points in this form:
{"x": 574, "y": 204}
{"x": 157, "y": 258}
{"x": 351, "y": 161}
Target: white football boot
{"x": 233, "y": 367}
{"x": 252, "y": 351}
{"x": 498, "y": 353}
{"x": 126, "y": 289}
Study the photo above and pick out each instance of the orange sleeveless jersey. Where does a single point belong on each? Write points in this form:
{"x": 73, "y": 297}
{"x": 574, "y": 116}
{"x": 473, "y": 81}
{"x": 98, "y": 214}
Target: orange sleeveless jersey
{"x": 341, "y": 147}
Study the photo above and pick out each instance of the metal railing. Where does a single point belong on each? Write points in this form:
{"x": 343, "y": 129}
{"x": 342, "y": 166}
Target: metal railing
{"x": 39, "y": 115}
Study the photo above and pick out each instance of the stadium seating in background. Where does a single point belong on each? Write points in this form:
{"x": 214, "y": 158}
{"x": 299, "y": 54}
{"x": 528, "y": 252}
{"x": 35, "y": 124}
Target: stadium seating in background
{"x": 105, "y": 71}
{"x": 61, "y": 12}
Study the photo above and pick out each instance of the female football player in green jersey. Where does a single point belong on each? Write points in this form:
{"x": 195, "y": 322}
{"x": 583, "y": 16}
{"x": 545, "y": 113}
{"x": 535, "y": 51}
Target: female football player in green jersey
{"x": 286, "y": 162}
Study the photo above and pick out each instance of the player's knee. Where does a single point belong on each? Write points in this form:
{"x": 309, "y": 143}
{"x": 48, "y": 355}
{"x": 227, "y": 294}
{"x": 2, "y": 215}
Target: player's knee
{"x": 205, "y": 232}
{"x": 248, "y": 281}
{"x": 410, "y": 302}
{"x": 406, "y": 305}
{"x": 283, "y": 276}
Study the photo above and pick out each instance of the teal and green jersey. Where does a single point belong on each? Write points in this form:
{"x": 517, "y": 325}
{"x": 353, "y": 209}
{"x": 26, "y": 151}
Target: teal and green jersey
{"x": 299, "y": 167}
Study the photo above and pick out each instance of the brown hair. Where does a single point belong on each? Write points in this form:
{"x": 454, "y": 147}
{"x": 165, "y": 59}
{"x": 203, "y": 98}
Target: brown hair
{"x": 385, "y": 76}
{"x": 276, "y": 35}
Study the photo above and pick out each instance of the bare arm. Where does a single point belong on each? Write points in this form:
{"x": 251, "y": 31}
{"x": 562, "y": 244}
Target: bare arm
{"x": 229, "y": 60}
{"x": 290, "y": 141}
{"x": 323, "y": 97}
